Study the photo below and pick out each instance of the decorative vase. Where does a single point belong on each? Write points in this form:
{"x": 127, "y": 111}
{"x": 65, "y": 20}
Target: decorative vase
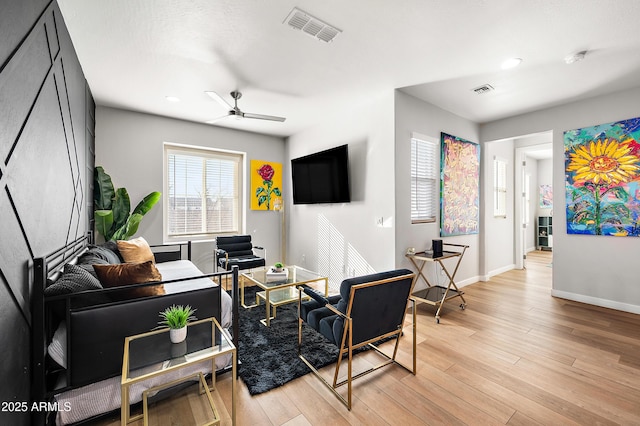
{"x": 178, "y": 335}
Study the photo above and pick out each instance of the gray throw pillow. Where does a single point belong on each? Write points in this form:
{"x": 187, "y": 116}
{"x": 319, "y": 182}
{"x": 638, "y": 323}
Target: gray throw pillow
{"x": 102, "y": 253}
{"x": 86, "y": 262}
{"x": 72, "y": 280}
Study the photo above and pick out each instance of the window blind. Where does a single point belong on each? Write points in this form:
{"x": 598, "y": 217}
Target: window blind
{"x": 203, "y": 192}
{"x": 424, "y": 178}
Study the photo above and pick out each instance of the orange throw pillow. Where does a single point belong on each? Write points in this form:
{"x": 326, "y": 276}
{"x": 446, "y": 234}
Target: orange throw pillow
{"x": 124, "y": 274}
{"x": 136, "y": 250}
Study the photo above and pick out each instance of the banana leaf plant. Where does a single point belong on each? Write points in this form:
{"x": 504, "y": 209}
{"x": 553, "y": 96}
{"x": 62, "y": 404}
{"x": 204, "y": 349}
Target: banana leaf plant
{"x": 112, "y": 208}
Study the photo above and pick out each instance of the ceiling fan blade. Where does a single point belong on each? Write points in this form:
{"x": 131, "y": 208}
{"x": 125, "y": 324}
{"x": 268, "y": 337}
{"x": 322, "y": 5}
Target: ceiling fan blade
{"x": 217, "y": 119}
{"x": 219, "y": 99}
{"x": 262, "y": 116}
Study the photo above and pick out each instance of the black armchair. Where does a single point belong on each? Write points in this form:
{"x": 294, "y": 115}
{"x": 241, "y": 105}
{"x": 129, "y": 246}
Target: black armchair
{"x": 369, "y": 309}
{"x": 238, "y": 251}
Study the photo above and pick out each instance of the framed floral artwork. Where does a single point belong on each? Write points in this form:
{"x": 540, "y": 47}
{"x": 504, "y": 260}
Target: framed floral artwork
{"x": 266, "y": 185}
{"x": 459, "y": 186}
{"x": 602, "y": 169}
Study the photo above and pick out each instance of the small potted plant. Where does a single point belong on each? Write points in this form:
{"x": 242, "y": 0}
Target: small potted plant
{"x": 278, "y": 267}
{"x": 176, "y": 317}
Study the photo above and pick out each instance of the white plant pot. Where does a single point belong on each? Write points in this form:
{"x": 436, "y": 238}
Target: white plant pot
{"x": 178, "y": 335}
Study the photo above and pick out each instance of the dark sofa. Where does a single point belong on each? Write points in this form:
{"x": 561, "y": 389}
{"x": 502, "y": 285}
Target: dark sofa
{"x": 98, "y": 320}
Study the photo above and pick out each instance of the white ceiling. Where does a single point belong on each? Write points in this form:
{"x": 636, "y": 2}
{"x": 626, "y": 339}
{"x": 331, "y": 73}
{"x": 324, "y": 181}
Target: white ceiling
{"x": 134, "y": 53}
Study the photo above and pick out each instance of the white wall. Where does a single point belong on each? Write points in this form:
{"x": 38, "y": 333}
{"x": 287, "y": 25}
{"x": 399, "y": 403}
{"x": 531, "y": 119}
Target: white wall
{"x": 498, "y": 231}
{"x": 344, "y": 239}
{"x": 413, "y": 115}
{"x": 585, "y": 268}
{"x": 129, "y": 145}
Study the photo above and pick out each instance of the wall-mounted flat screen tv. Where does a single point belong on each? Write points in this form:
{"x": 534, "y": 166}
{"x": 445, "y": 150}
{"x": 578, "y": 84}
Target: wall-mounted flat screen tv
{"x": 322, "y": 177}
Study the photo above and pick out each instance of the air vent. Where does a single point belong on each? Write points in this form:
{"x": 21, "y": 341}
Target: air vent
{"x": 483, "y": 89}
{"x": 311, "y": 26}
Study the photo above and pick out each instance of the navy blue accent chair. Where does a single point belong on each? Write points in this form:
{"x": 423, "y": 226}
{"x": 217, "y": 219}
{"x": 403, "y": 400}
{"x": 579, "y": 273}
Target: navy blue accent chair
{"x": 368, "y": 310}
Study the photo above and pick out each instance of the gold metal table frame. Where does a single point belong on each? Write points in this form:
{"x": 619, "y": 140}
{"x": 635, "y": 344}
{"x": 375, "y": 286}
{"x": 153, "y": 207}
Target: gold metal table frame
{"x": 277, "y": 293}
{"x": 436, "y": 295}
{"x": 221, "y": 344}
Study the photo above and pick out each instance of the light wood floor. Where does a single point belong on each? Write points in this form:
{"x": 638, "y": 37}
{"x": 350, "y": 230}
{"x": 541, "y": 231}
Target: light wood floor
{"x": 515, "y": 356}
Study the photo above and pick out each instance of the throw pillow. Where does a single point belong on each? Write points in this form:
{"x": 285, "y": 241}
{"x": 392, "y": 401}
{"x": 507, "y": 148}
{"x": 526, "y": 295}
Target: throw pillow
{"x": 136, "y": 250}
{"x": 113, "y": 246}
{"x": 125, "y": 274}
{"x": 103, "y": 253}
{"x": 73, "y": 279}
{"x": 89, "y": 266}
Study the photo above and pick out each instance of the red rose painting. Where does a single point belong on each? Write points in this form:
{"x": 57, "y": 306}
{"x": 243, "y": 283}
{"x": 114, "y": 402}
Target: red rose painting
{"x": 266, "y": 180}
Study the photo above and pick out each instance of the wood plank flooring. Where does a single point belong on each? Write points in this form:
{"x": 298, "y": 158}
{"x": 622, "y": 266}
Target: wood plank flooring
{"x": 514, "y": 356}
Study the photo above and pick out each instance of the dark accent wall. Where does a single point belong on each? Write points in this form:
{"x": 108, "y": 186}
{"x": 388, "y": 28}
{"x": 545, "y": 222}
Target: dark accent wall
{"x": 46, "y": 170}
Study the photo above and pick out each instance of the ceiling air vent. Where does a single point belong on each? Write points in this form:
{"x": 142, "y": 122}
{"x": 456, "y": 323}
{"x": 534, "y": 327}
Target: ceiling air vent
{"x": 311, "y": 26}
{"x": 483, "y": 89}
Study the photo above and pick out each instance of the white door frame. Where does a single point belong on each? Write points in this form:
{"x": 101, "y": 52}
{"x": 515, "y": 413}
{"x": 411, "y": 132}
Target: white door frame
{"x": 519, "y": 239}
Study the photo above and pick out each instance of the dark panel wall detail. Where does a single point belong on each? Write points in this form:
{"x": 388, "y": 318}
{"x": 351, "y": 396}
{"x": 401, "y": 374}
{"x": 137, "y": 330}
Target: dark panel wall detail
{"x": 46, "y": 170}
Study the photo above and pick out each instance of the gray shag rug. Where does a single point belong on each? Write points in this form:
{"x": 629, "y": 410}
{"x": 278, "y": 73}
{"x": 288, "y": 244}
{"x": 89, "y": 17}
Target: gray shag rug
{"x": 269, "y": 355}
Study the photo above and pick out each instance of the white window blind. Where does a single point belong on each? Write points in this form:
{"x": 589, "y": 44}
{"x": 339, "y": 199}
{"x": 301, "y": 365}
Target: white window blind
{"x": 500, "y": 187}
{"x": 202, "y": 190}
{"x": 424, "y": 180}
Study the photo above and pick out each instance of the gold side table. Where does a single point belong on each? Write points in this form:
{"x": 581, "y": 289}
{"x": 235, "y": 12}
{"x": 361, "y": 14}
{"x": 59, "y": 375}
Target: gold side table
{"x": 436, "y": 295}
{"x": 152, "y": 354}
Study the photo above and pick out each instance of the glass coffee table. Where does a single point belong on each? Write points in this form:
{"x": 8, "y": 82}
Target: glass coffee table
{"x": 277, "y": 291}
{"x": 152, "y": 354}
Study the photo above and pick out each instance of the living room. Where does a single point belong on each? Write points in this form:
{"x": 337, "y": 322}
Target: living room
{"x": 373, "y": 231}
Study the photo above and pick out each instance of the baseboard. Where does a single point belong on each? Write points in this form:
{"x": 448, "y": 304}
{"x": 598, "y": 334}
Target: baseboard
{"x": 468, "y": 281}
{"x": 501, "y": 270}
{"x": 604, "y": 303}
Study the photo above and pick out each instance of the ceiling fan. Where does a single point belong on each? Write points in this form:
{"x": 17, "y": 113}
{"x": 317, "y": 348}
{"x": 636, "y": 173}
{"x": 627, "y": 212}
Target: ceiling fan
{"x": 235, "y": 111}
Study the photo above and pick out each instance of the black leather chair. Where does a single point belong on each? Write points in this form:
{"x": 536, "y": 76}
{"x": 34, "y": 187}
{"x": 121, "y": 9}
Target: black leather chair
{"x": 237, "y": 250}
{"x": 369, "y": 309}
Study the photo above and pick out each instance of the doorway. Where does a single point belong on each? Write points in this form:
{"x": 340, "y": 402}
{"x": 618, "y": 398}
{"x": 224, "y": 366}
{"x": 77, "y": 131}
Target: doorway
{"x": 533, "y": 200}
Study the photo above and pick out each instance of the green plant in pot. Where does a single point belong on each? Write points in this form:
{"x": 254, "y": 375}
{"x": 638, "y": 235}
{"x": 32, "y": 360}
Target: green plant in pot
{"x": 278, "y": 267}
{"x": 113, "y": 216}
{"x": 176, "y": 317}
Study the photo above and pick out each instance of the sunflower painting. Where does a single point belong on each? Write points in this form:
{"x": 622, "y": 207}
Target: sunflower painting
{"x": 459, "y": 186}
{"x": 602, "y": 165}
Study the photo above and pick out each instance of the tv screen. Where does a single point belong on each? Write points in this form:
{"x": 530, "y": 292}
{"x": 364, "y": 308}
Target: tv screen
{"x": 322, "y": 177}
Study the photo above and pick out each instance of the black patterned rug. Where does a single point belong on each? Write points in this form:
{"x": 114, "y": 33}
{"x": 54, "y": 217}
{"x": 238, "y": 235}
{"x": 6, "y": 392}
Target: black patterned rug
{"x": 269, "y": 355}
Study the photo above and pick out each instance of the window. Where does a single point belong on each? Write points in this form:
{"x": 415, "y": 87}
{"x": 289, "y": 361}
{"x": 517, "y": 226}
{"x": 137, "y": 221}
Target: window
{"x": 499, "y": 187}
{"x": 203, "y": 190}
{"x": 424, "y": 179}
{"x": 527, "y": 198}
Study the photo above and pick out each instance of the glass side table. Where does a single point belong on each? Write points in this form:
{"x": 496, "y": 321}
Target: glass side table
{"x": 436, "y": 295}
{"x": 277, "y": 292}
{"x": 152, "y": 354}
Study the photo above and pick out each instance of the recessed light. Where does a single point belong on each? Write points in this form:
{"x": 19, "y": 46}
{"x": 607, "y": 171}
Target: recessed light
{"x": 511, "y": 63}
{"x": 172, "y": 99}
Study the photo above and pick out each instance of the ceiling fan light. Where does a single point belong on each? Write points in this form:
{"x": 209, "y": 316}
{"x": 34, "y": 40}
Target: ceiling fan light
{"x": 575, "y": 57}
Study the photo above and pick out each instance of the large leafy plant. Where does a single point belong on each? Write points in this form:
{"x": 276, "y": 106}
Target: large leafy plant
{"x": 113, "y": 215}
